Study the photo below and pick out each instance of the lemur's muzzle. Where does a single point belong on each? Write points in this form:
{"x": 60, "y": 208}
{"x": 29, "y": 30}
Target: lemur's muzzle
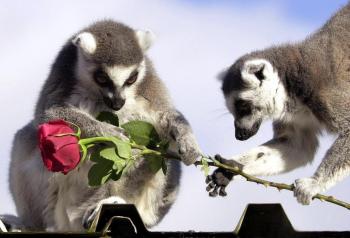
{"x": 246, "y": 133}
{"x": 114, "y": 102}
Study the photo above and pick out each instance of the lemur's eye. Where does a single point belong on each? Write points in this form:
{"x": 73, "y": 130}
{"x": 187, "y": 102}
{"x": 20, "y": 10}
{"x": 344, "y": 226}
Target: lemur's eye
{"x": 132, "y": 79}
{"x": 243, "y": 108}
{"x": 101, "y": 77}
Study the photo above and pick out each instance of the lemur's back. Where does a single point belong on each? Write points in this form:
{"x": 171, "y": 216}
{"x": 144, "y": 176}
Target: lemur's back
{"x": 329, "y": 47}
{"x": 61, "y": 80}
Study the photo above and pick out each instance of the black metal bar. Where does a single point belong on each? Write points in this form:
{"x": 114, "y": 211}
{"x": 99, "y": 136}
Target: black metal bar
{"x": 258, "y": 221}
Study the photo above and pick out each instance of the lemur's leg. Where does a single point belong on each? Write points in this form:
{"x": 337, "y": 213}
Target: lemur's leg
{"x": 152, "y": 193}
{"x": 334, "y": 167}
{"x": 28, "y": 178}
{"x": 336, "y": 163}
{"x": 175, "y": 125}
{"x": 79, "y": 214}
{"x": 290, "y": 148}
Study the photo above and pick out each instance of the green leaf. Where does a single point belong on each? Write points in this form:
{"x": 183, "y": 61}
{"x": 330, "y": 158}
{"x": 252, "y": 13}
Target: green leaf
{"x": 205, "y": 167}
{"x": 109, "y": 153}
{"x": 119, "y": 165}
{"x": 143, "y": 133}
{"x": 113, "y": 154}
{"x": 155, "y": 162}
{"x": 108, "y": 166}
{"x": 123, "y": 148}
{"x": 108, "y": 117}
{"x": 100, "y": 172}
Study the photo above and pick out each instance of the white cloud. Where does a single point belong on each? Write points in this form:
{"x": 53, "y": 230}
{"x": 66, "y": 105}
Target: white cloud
{"x": 193, "y": 45}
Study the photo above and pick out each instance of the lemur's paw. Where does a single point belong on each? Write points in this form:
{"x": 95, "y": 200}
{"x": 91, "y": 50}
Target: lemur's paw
{"x": 188, "y": 149}
{"x": 110, "y": 130}
{"x": 220, "y": 178}
{"x": 305, "y": 189}
{"x": 92, "y": 212}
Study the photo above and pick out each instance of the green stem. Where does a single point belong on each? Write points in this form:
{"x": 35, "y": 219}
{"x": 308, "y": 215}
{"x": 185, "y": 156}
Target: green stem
{"x": 88, "y": 142}
{"x": 94, "y": 140}
{"x": 279, "y": 186}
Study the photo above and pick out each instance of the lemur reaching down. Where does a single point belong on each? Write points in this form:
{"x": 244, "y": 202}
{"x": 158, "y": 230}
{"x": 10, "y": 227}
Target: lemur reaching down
{"x": 101, "y": 68}
{"x": 305, "y": 89}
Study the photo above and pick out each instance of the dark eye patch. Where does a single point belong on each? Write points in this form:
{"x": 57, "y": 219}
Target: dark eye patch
{"x": 243, "y": 108}
{"x": 102, "y": 78}
{"x": 132, "y": 79}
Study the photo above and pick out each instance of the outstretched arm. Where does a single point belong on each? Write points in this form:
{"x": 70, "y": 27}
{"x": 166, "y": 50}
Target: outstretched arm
{"x": 290, "y": 148}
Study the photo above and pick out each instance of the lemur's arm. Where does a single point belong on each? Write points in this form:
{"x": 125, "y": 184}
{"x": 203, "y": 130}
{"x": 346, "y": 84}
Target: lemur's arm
{"x": 290, "y": 148}
{"x": 89, "y": 126}
{"x": 175, "y": 125}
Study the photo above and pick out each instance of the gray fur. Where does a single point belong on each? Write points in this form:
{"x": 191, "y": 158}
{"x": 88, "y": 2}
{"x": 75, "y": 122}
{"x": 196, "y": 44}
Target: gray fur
{"x": 310, "y": 93}
{"x": 117, "y": 43}
{"x": 57, "y": 202}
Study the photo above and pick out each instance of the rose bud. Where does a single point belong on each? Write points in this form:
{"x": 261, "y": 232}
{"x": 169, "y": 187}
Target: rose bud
{"x": 59, "y": 146}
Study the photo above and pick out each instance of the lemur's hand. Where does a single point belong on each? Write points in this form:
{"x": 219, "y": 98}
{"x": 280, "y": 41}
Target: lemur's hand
{"x": 188, "y": 149}
{"x": 220, "y": 178}
{"x": 305, "y": 189}
{"x": 107, "y": 129}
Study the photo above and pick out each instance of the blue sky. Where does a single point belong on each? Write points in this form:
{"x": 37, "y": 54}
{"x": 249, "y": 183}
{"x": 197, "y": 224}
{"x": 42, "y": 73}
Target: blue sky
{"x": 310, "y": 11}
{"x": 195, "y": 41}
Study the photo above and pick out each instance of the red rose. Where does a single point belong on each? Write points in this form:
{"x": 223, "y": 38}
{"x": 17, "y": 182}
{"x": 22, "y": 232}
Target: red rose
{"x": 59, "y": 146}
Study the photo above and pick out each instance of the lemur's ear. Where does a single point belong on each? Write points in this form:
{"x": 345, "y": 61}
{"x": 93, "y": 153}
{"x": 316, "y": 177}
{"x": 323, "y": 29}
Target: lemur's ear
{"x": 145, "y": 39}
{"x": 257, "y": 70}
{"x": 86, "y": 42}
{"x": 222, "y": 74}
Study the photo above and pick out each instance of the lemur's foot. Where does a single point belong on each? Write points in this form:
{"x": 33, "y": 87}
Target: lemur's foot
{"x": 91, "y": 213}
{"x": 305, "y": 189}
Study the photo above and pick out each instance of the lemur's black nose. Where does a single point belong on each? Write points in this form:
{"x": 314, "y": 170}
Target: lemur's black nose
{"x": 246, "y": 133}
{"x": 242, "y": 134}
{"x": 114, "y": 103}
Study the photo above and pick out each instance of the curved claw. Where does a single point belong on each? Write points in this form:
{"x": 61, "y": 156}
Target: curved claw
{"x": 214, "y": 193}
{"x": 222, "y": 192}
{"x": 210, "y": 186}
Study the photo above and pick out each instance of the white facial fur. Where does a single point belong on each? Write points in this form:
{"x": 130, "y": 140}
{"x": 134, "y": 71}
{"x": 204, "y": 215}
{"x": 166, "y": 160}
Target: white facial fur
{"x": 267, "y": 93}
{"x": 88, "y": 87}
{"x": 120, "y": 73}
{"x": 145, "y": 39}
{"x": 86, "y": 42}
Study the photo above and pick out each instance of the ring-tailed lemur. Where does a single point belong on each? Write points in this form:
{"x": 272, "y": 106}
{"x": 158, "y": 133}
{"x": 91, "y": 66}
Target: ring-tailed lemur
{"x": 103, "y": 67}
{"x": 304, "y": 88}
